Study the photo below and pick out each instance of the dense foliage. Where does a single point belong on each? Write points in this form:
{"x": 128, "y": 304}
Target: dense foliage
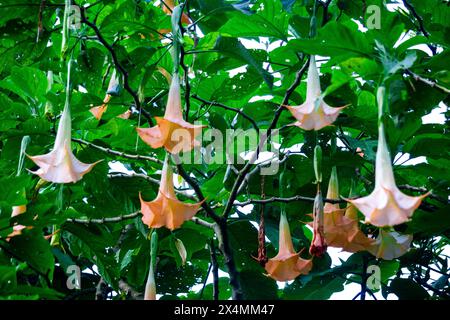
{"x": 241, "y": 63}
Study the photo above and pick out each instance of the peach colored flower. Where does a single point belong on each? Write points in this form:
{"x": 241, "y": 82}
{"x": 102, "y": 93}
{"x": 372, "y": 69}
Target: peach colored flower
{"x": 126, "y": 115}
{"x": 166, "y": 210}
{"x": 172, "y": 132}
{"x": 113, "y": 90}
{"x": 98, "y": 111}
{"x": 17, "y": 229}
{"x": 60, "y": 165}
{"x": 390, "y": 244}
{"x": 286, "y": 265}
{"x": 386, "y": 205}
{"x": 341, "y": 227}
{"x": 314, "y": 113}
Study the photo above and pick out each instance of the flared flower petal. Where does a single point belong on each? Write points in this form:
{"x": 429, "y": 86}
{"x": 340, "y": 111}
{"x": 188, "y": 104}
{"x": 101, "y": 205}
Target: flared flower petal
{"x": 286, "y": 265}
{"x": 172, "y": 132}
{"x": 166, "y": 210}
{"x": 390, "y": 245}
{"x": 314, "y": 113}
{"x": 60, "y": 165}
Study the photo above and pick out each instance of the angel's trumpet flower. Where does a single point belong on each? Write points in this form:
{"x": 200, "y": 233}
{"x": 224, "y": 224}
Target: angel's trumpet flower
{"x": 318, "y": 244}
{"x": 390, "y": 244}
{"x": 286, "y": 265}
{"x": 60, "y": 165}
{"x": 314, "y": 113}
{"x": 113, "y": 90}
{"x": 17, "y": 229}
{"x": 166, "y": 210}
{"x": 98, "y": 111}
{"x": 386, "y": 205}
{"x": 172, "y": 132}
{"x": 341, "y": 227}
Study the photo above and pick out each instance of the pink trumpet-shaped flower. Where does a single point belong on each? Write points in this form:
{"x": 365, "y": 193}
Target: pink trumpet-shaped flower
{"x": 386, "y": 205}
{"x": 60, "y": 165}
{"x": 314, "y": 113}
{"x": 390, "y": 245}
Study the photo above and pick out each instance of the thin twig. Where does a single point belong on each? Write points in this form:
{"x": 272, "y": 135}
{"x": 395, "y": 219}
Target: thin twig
{"x": 221, "y": 105}
{"x": 419, "y": 19}
{"x": 194, "y": 185}
{"x": 283, "y": 200}
{"x": 431, "y": 83}
{"x": 118, "y": 153}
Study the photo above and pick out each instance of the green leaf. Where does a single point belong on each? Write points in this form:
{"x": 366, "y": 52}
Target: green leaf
{"x": 269, "y": 22}
{"x": 318, "y": 288}
{"x": 233, "y": 48}
{"x": 32, "y": 248}
{"x": 8, "y": 279}
{"x": 336, "y": 40}
{"x": 256, "y": 286}
{"x": 407, "y": 289}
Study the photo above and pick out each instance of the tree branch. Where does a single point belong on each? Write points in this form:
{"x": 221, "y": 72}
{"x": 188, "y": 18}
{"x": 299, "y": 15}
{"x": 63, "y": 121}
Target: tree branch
{"x": 133, "y": 215}
{"x": 194, "y": 185}
{"x": 431, "y": 83}
{"x": 242, "y": 174}
{"x": 118, "y": 153}
{"x": 419, "y": 19}
{"x": 283, "y": 200}
{"x": 215, "y": 270}
{"x": 118, "y": 65}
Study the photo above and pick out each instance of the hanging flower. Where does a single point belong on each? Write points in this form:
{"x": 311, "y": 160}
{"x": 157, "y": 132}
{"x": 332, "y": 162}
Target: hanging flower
{"x": 17, "y": 229}
{"x": 113, "y": 90}
{"x": 314, "y": 113}
{"x": 286, "y": 265}
{"x": 386, "y": 205}
{"x": 318, "y": 244}
{"x": 98, "y": 111}
{"x": 60, "y": 165}
{"x": 341, "y": 226}
{"x": 390, "y": 244}
{"x": 166, "y": 210}
{"x": 171, "y": 131}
